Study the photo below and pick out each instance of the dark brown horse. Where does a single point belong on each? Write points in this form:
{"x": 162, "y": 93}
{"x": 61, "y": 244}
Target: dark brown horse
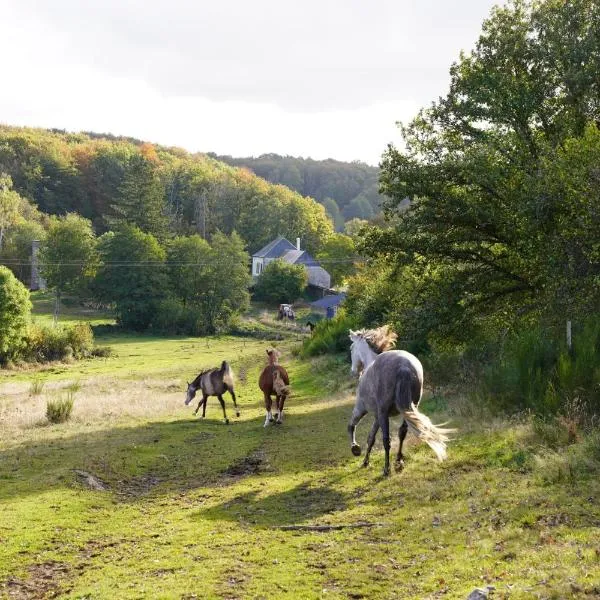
{"x": 274, "y": 381}
{"x": 213, "y": 382}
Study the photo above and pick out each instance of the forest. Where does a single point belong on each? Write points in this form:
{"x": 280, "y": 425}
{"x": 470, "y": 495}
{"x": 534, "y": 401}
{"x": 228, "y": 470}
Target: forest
{"x": 164, "y": 191}
{"x": 346, "y": 190}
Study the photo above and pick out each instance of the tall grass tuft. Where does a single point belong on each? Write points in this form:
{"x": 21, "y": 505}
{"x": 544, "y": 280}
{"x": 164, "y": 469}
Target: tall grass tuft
{"x": 36, "y": 387}
{"x": 58, "y": 410}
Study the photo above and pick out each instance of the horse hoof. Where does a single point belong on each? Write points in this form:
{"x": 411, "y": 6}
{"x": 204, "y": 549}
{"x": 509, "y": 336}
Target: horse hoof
{"x": 386, "y": 472}
{"x": 226, "y": 421}
{"x": 365, "y": 464}
{"x": 399, "y": 466}
{"x": 356, "y": 450}
{"x": 278, "y": 422}
{"x": 271, "y": 420}
{"x": 237, "y": 414}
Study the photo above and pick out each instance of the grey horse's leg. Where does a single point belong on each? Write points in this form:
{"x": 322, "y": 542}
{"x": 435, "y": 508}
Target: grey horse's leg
{"x": 222, "y": 402}
{"x": 384, "y": 423}
{"x": 371, "y": 441}
{"x": 357, "y": 415}
{"x": 402, "y": 431}
{"x": 202, "y": 401}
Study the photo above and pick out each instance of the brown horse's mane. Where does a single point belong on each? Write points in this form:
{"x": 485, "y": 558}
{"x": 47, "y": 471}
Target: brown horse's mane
{"x": 380, "y": 339}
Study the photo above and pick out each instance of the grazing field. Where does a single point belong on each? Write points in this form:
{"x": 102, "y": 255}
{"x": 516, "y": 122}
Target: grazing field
{"x": 134, "y": 497}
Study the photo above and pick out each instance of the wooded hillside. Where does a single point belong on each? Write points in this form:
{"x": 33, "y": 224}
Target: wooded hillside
{"x": 347, "y": 190}
{"x": 163, "y": 191}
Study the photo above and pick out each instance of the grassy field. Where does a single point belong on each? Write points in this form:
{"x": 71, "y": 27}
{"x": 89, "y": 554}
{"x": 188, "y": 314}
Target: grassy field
{"x": 195, "y": 508}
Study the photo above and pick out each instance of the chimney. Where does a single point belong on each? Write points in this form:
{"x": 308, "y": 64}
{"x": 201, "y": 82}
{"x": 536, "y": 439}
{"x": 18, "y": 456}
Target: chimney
{"x": 297, "y": 243}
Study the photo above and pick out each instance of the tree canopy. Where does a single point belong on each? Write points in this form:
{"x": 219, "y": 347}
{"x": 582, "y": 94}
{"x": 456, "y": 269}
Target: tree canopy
{"x": 163, "y": 191}
{"x": 502, "y": 176}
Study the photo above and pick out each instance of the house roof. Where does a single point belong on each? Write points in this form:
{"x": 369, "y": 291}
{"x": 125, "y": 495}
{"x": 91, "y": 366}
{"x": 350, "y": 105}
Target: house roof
{"x": 299, "y": 257}
{"x": 329, "y": 301}
{"x": 275, "y": 249}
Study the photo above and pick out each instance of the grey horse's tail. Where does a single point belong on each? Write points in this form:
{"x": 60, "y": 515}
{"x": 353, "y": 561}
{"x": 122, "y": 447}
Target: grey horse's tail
{"x": 435, "y": 436}
{"x": 227, "y": 374}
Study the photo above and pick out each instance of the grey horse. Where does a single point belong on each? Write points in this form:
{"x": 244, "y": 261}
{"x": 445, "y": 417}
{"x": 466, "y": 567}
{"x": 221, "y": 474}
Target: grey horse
{"x": 391, "y": 383}
{"x": 213, "y": 382}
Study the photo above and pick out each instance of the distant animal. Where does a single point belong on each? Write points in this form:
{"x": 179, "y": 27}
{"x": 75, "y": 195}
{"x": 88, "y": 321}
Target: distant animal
{"x": 310, "y": 325}
{"x": 391, "y": 383}
{"x": 285, "y": 312}
{"x": 274, "y": 381}
{"x": 213, "y": 382}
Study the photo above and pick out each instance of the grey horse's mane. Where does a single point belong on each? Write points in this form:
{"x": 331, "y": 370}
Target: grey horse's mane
{"x": 380, "y": 339}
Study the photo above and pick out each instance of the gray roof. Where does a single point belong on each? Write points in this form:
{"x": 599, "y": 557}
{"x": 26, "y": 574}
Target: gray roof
{"x": 275, "y": 249}
{"x": 299, "y": 257}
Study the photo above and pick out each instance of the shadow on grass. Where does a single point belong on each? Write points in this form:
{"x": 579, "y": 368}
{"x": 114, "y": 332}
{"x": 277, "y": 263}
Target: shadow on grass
{"x": 302, "y": 504}
{"x": 162, "y": 457}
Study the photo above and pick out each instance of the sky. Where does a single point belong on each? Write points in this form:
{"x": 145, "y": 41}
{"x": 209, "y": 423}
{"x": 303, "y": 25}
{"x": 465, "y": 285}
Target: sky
{"x": 312, "y": 78}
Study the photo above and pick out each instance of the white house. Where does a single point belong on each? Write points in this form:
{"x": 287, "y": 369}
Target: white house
{"x": 283, "y": 249}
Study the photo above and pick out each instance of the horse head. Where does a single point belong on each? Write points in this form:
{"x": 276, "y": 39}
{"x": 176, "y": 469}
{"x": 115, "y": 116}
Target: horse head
{"x": 191, "y": 392}
{"x": 356, "y": 353}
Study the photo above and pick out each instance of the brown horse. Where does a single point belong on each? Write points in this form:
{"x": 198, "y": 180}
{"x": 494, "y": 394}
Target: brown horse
{"x": 274, "y": 380}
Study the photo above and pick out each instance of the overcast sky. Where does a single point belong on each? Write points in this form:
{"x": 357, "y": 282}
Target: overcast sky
{"x": 318, "y": 78}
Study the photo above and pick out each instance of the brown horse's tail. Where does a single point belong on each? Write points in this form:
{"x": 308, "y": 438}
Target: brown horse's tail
{"x": 435, "y": 436}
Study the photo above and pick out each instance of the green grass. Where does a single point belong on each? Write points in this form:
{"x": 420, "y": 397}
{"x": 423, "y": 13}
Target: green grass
{"x": 70, "y": 311}
{"x": 192, "y": 508}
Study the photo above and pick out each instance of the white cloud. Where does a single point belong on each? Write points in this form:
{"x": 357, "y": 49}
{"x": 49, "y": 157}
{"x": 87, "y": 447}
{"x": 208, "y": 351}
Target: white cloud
{"x": 325, "y": 78}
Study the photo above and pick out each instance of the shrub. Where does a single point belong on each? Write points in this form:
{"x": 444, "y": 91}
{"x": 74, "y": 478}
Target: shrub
{"x": 59, "y": 343}
{"x": 173, "y": 317}
{"x": 58, "y": 410}
{"x": 330, "y": 336}
{"x": 535, "y": 372}
{"x": 15, "y": 308}
{"x": 281, "y": 282}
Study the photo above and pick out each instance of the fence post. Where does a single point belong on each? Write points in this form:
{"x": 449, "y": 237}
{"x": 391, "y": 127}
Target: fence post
{"x": 569, "y": 337}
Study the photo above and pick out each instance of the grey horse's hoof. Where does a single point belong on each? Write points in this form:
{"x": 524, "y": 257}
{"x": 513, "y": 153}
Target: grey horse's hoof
{"x": 237, "y": 414}
{"x": 399, "y": 465}
{"x": 356, "y": 450}
{"x": 365, "y": 463}
{"x": 386, "y": 472}
{"x": 226, "y": 421}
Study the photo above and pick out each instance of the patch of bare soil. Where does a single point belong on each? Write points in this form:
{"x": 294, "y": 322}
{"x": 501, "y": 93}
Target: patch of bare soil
{"x": 89, "y": 480}
{"x": 138, "y": 486}
{"x": 43, "y": 581}
{"x": 249, "y": 465}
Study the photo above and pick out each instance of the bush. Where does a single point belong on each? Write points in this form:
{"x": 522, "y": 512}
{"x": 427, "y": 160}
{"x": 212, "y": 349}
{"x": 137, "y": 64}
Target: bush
{"x": 330, "y": 336}
{"x": 15, "y": 308}
{"x": 59, "y": 343}
{"x": 536, "y": 373}
{"x": 173, "y": 317}
{"x": 58, "y": 410}
{"x": 281, "y": 282}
